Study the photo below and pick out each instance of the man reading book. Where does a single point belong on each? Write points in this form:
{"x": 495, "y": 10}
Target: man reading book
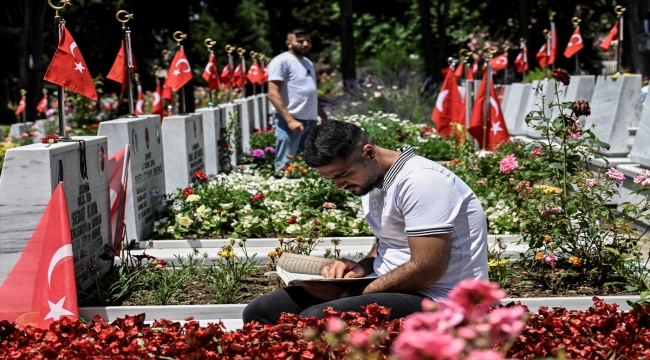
{"x": 430, "y": 227}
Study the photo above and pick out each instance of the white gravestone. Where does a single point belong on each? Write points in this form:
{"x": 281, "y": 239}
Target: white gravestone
{"x": 506, "y": 96}
{"x": 232, "y": 112}
{"x": 615, "y": 106}
{"x": 257, "y": 107}
{"x": 17, "y": 129}
{"x": 29, "y": 177}
{"x": 513, "y": 111}
{"x": 182, "y": 137}
{"x": 247, "y": 122}
{"x": 146, "y": 183}
{"x": 580, "y": 88}
{"x": 212, "y": 123}
{"x": 641, "y": 148}
{"x": 540, "y": 100}
{"x": 266, "y": 120}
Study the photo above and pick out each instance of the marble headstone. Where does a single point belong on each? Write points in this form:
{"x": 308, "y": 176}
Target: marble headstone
{"x": 17, "y": 129}
{"x": 29, "y": 177}
{"x": 146, "y": 183}
{"x": 506, "y": 96}
{"x": 182, "y": 137}
{"x": 513, "y": 111}
{"x": 615, "y": 106}
{"x": 580, "y": 88}
{"x": 247, "y": 122}
{"x": 232, "y": 112}
{"x": 257, "y": 108}
{"x": 212, "y": 123}
{"x": 641, "y": 148}
{"x": 539, "y": 100}
{"x": 266, "y": 120}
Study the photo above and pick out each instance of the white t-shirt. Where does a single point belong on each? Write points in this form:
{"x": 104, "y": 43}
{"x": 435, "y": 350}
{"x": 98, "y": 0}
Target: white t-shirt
{"x": 420, "y": 197}
{"x": 298, "y": 89}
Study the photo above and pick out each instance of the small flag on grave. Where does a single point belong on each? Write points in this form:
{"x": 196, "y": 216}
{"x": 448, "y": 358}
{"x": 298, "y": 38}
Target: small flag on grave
{"x": 449, "y": 106}
{"x": 139, "y": 104}
{"x": 118, "y": 71}
{"x": 21, "y": 105}
{"x": 118, "y": 169}
{"x": 496, "y": 126}
{"x": 255, "y": 74}
{"x": 180, "y": 72}
{"x": 42, "y": 105}
{"x": 157, "y": 107}
{"x": 500, "y": 62}
{"x": 613, "y": 35}
{"x": 575, "y": 43}
{"x": 212, "y": 76}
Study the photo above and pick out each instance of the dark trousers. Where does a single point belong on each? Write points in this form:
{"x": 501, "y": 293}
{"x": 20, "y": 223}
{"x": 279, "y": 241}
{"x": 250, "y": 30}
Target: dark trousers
{"x": 294, "y": 299}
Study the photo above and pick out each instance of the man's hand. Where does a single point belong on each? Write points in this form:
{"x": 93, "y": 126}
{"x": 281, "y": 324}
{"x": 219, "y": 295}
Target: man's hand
{"x": 295, "y": 125}
{"x": 343, "y": 268}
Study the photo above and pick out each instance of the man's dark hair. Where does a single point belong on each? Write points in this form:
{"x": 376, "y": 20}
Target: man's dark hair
{"x": 332, "y": 139}
{"x": 298, "y": 31}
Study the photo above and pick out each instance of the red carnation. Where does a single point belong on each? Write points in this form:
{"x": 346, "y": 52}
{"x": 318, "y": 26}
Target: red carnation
{"x": 53, "y": 137}
{"x": 316, "y": 222}
{"x": 219, "y": 210}
{"x": 187, "y": 192}
{"x": 292, "y": 220}
{"x": 161, "y": 263}
{"x": 201, "y": 176}
{"x": 259, "y": 196}
{"x": 225, "y": 145}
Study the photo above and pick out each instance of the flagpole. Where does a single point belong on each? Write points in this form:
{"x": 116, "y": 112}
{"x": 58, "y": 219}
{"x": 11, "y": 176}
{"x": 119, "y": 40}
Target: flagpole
{"x": 505, "y": 47}
{"x": 253, "y": 56}
{"x": 576, "y": 24}
{"x": 58, "y": 21}
{"x": 126, "y": 38}
{"x": 241, "y": 52}
{"x": 209, "y": 43}
{"x": 178, "y": 37}
{"x": 547, "y": 53}
{"x": 551, "y": 15}
{"x": 488, "y": 94}
{"x": 464, "y": 56}
{"x": 165, "y": 54}
{"x": 522, "y": 45}
{"x": 262, "y": 64}
{"x": 619, "y": 10}
{"x": 229, "y": 50}
{"x": 23, "y": 92}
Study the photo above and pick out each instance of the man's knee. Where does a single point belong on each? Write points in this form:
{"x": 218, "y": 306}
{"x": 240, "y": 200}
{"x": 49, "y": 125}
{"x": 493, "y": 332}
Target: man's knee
{"x": 258, "y": 310}
{"x": 316, "y": 311}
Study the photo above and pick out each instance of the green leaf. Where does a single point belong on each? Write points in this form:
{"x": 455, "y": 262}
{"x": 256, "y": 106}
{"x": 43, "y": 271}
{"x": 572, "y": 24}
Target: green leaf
{"x": 631, "y": 288}
{"x": 612, "y": 283}
{"x": 556, "y": 166}
{"x": 613, "y": 251}
{"x": 567, "y": 105}
{"x": 598, "y": 143}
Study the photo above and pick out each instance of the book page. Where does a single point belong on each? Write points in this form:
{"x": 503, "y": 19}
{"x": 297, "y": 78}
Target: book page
{"x": 300, "y": 264}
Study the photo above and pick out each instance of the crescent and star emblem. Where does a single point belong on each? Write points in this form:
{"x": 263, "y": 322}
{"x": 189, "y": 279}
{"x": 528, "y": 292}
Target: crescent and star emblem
{"x": 63, "y": 252}
{"x": 138, "y": 106}
{"x": 156, "y": 98}
{"x": 496, "y": 127}
{"x": 495, "y": 105}
{"x": 176, "y": 71}
{"x": 441, "y": 99}
{"x": 72, "y": 47}
{"x": 575, "y": 36}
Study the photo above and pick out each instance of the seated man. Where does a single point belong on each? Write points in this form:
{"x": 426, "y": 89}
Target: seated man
{"x": 430, "y": 227}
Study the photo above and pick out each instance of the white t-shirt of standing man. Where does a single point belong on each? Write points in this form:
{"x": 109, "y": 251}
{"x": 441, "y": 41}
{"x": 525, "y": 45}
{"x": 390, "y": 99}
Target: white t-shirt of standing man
{"x": 298, "y": 91}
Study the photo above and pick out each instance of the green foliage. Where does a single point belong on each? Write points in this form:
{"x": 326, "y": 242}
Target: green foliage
{"x": 536, "y": 74}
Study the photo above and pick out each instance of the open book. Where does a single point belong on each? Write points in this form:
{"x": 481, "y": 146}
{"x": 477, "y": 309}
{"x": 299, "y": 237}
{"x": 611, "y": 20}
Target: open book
{"x": 292, "y": 268}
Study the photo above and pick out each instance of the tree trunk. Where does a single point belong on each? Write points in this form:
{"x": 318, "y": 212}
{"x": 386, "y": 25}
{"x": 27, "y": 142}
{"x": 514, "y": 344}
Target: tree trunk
{"x": 277, "y": 46}
{"x": 430, "y": 65}
{"x": 35, "y": 49}
{"x": 348, "y": 67}
{"x": 637, "y": 61}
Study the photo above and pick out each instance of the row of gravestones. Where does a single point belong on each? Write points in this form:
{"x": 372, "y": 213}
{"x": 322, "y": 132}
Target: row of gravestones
{"x": 163, "y": 158}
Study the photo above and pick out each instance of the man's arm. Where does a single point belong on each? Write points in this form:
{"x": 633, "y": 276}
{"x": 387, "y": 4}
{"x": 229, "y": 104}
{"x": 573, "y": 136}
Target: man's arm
{"x": 280, "y": 107}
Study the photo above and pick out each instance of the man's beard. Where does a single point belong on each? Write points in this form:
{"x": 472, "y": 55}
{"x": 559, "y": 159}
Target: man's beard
{"x": 299, "y": 51}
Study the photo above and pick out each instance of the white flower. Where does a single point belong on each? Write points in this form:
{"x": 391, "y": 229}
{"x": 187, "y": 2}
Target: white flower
{"x": 291, "y": 229}
{"x": 200, "y": 211}
{"x": 170, "y": 229}
{"x": 193, "y": 198}
{"x": 331, "y": 225}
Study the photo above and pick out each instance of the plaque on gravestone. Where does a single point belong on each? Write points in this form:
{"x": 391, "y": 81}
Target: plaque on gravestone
{"x": 232, "y": 112}
{"x": 211, "y": 135}
{"x": 146, "y": 182}
{"x": 30, "y": 176}
{"x": 182, "y": 137}
{"x": 640, "y": 152}
{"x": 247, "y": 122}
{"x": 615, "y": 106}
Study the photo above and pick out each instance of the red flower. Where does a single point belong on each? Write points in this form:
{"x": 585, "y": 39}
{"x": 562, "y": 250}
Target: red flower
{"x": 201, "y": 176}
{"x": 257, "y": 131}
{"x": 561, "y": 76}
{"x": 219, "y": 210}
{"x": 225, "y": 145}
{"x": 292, "y": 220}
{"x": 161, "y": 263}
{"x": 316, "y": 222}
{"x": 53, "y": 137}
{"x": 259, "y": 196}
{"x": 187, "y": 192}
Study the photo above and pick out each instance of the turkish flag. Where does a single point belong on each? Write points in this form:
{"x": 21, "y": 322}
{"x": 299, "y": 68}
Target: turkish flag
{"x": 472, "y": 70}
{"x": 139, "y": 104}
{"x": 118, "y": 71}
{"x": 266, "y": 73}
{"x": 575, "y": 43}
{"x": 225, "y": 76}
{"x": 118, "y": 171}
{"x": 613, "y": 35}
{"x": 459, "y": 70}
{"x": 41, "y": 287}
{"x": 449, "y": 106}
{"x": 553, "y": 52}
{"x": 68, "y": 68}
{"x": 238, "y": 77}
{"x": 496, "y": 125}
{"x": 212, "y": 77}
{"x": 179, "y": 72}
{"x": 255, "y": 74}
{"x": 157, "y": 107}
{"x": 21, "y": 106}
{"x": 167, "y": 92}
{"x": 541, "y": 56}
{"x": 42, "y": 105}
{"x": 500, "y": 62}
{"x": 521, "y": 62}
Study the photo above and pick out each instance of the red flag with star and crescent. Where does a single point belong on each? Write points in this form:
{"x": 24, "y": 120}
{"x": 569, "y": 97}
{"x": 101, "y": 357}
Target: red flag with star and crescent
{"x": 500, "y": 62}
{"x": 496, "y": 125}
{"x": 238, "y": 79}
{"x": 166, "y": 91}
{"x": 41, "y": 287}
{"x": 212, "y": 77}
{"x": 225, "y": 76}
{"x": 266, "y": 73}
{"x": 541, "y": 56}
{"x": 613, "y": 35}
{"x": 575, "y": 43}
{"x": 255, "y": 74}
{"x": 157, "y": 107}
{"x": 21, "y": 106}
{"x": 118, "y": 70}
{"x": 42, "y": 105}
{"x": 449, "y": 106}
{"x": 180, "y": 72}
{"x": 521, "y": 62}
{"x": 118, "y": 176}
{"x": 68, "y": 68}
{"x": 472, "y": 70}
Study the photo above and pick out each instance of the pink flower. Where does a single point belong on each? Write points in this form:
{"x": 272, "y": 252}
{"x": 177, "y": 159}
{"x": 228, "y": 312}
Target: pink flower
{"x": 480, "y": 181}
{"x": 445, "y": 316}
{"x": 329, "y": 205}
{"x": 49, "y": 112}
{"x": 615, "y": 175}
{"x": 335, "y": 325}
{"x": 550, "y": 210}
{"x": 24, "y": 135}
{"x": 67, "y": 128}
{"x": 506, "y": 323}
{"x": 523, "y": 185}
{"x": 642, "y": 178}
{"x": 550, "y": 258}
{"x": 593, "y": 183}
{"x": 360, "y": 339}
{"x": 9, "y": 139}
{"x": 415, "y": 345}
{"x": 536, "y": 152}
{"x": 484, "y": 355}
{"x": 470, "y": 292}
{"x": 508, "y": 164}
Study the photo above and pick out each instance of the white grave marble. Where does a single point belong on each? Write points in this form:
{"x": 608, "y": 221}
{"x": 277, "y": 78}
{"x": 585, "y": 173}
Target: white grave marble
{"x": 506, "y": 96}
{"x": 212, "y": 124}
{"x": 266, "y": 120}
{"x": 146, "y": 184}
{"x": 615, "y": 106}
{"x": 29, "y": 177}
{"x": 257, "y": 108}
{"x": 247, "y": 122}
{"x": 232, "y": 113}
{"x": 641, "y": 148}
{"x": 182, "y": 136}
{"x": 513, "y": 111}
{"x": 539, "y": 101}
{"x": 580, "y": 88}
{"x": 17, "y": 129}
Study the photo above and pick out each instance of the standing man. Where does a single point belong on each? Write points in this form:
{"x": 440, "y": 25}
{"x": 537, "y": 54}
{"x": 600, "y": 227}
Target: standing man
{"x": 292, "y": 92}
